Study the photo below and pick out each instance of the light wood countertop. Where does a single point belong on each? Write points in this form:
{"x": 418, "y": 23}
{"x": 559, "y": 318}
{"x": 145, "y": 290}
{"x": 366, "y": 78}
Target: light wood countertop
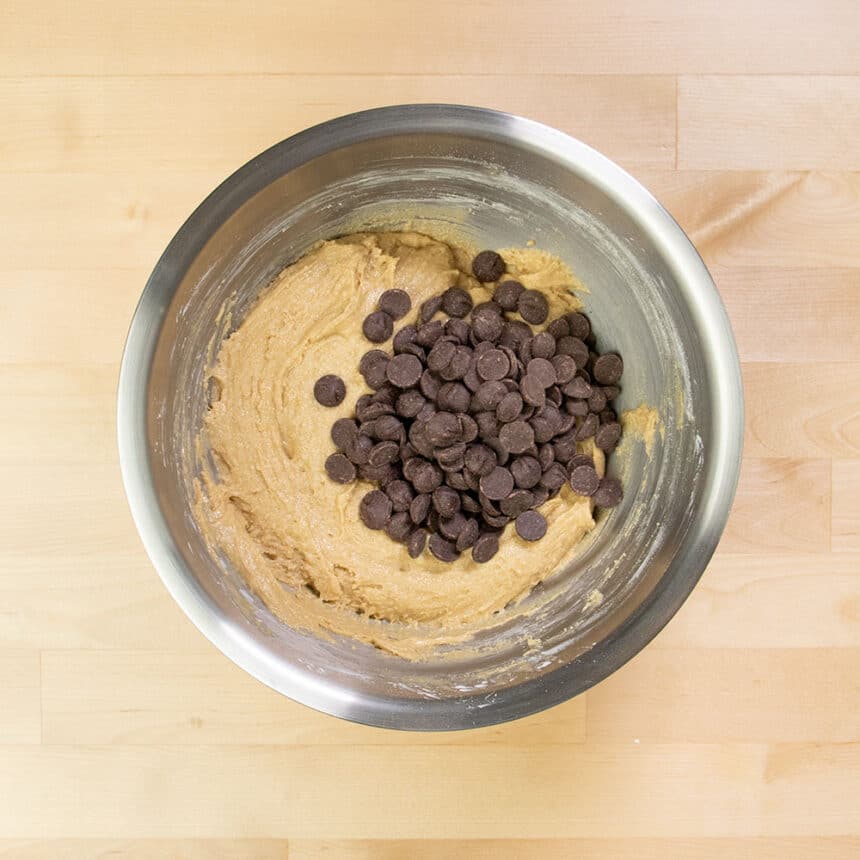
{"x": 123, "y": 733}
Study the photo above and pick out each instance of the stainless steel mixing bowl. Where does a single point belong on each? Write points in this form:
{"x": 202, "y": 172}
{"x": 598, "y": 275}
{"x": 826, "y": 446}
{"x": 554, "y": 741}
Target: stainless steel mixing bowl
{"x": 498, "y": 180}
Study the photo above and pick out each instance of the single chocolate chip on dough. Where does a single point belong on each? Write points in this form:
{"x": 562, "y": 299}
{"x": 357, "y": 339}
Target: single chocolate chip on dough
{"x": 339, "y": 468}
{"x": 329, "y": 390}
{"x": 456, "y": 302}
{"x": 377, "y": 327}
{"x": 531, "y": 525}
{"x": 396, "y": 303}
{"x": 375, "y": 509}
{"x": 488, "y": 266}
{"x": 343, "y": 431}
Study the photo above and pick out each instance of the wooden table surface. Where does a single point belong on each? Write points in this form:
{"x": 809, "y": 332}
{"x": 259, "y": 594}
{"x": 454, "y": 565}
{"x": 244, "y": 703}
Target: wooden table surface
{"x": 124, "y": 733}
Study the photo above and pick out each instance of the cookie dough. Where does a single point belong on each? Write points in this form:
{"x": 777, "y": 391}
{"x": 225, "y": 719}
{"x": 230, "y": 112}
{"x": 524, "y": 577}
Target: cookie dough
{"x": 294, "y": 534}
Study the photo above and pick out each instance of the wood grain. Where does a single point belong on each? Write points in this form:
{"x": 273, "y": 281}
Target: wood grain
{"x": 125, "y": 734}
{"x": 730, "y": 122}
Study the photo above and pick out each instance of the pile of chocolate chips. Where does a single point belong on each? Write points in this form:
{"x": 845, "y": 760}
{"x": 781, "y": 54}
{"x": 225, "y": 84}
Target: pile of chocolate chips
{"x": 473, "y": 422}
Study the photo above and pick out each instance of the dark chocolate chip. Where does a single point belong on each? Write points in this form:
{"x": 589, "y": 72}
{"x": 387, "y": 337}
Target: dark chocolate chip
{"x": 565, "y": 447}
{"x": 468, "y": 535}
{"x": 358, "y": 449}
{"x": 531, "y": 525}
{"x": 607, "y": 436}
{"x": 517, "y": 502}
{"x": 498, "y": 522}
{"x": 471, "y": 379}
{"x": 525, "y": 351}
{"x": 584, "y": 480}
{"x": 510, "y": 407}
{"x": 541, "y": 494}
{"x": 493, "y": 365}
{"x": 339, "y": 469}
{"x": 419, "y": 508}
{"x": 488, "y": 425}
{"x": 517, "y": 437}
{"x": 457, "y": 481}
{"x": 608, "y": 416}
{"x": 543, "y": 345}
{"x": 609, "y": 493}
{"x": 418, "y": 439}
{"x": 480, "y": 459}
{"x": 487, "y": 327}
{"x": 444, "y": 550}
{"x": 458, "y": 329}
{"x": 507, "y": 294}
{"x": 429, "y": 385}
{"x": 343, "y": 431}
{"x": 451, "y": 459}
{"x": 404, "y": 371}
{"x": 396, "y": 303}
{"x": 427, "y": 477}
{"x": 404, "y": 338}
{"x": 533, "y": 391}
{"x": 526, "y": 472}
{"x": 565, "y": 368}
{"x": 579, "y": 325}
{"x": 578, "y": 388}
{"x": 610, "y": 392}
{"x": 399, "y": 527}
{"x": 430, "y": 308}
{"x": 558, "y": 328}
{"x": 597, "y": 401}
{"x": 533, "y": 306}
{"x": 488, "y": 266}
{"x": 383, "y": 452}
{"x": 386, "y": 428}
{"x": 416, "y": 542}
{"x": 441, "y": 354}
{"x": 576, "y": 407}
{"x": 443, "y": 429}
{"x": 554, "y": 395}
{"x": 456, "y": 302}
{"x": 446, "y": 501}
{"x": 486, "y": 546}
{"x": 554, "y": 477}
{"x": 470, "y": 503}
{"x": 573, "y": 347}
{"x": 542, "y": 370}
{"x": 588, "y": 427}
{"x": 488, "y": 396}
{"x": 401, "y": 495}
{"x": 497, "y": 484}
{"x": 429, "y": 333}
{"x": 329, "y": 390}
{"x": 514, "y": 334}
{"x": 409, "y": 403}
{"x": 377, "y": 327}
{"x": 372, "y": 368}
{"x": 579, "y": 460}
{"x": 468, "y": 427}
{"x": 459, "y": 365}
{"x": 375, "y": 509}
{"x": 382, "y": 475}
{"x": 608, "y": 368}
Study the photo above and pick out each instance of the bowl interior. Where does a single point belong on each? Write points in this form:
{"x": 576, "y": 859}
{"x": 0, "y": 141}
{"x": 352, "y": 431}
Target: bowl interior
{"x": 492, "y": 184}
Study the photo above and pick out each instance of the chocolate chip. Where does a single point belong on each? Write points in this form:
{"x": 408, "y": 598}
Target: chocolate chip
{"x": 358, "y": 449}
{"x": 468, "y": 535}
{"x": 510, "y": 407}
{"x": 526, "y": 472}
{"x": 576, "y": 407}
{"x": 588, "y": 427}
{"x": 456, "y": 302}
{"x": 377, "y": 327}
{"x": 468, "y": 428}
{"x": 416, "y": 542}
{"x": 329, "y": 390}
{"x": 515, "y": 334}
{"x": 471, "y": 379}
{"x": 404, "y": 371}
{"x": 383, "y": 452}
{"x": 608, "y": 368}
{"x": 429, "y": 385}
{"x": 427, "y": 477}
{"x": 375, "y": 509}
{"x": 452, "y": 458}
{"x": 554, "y": 395}
{"x": 546, "y": 456}
{"x": 579, "y": 460}
{"x": 401, "y": 495}
{"x": 386, "y": 428}
{"x": 441, "y": 354}
{"x": 517, "y": 437}
{"x": 443, "y": 549}
{"x": 558, "y": 328}
{"x": 429, "y": 333}
{"x": 533, "y": 306}
{"x": 339, "y": 469}
{"x": 508, "y": 293}
{"x": 579, "y": 325}
{"x": 409, "y": 403}
{"x": 486, "y": 546}
{"x": 597, "y": 401}
{"x": 609, "y": 493}
{"x": 404, "y": 338}
{"x": 565, "y": 368}
{"x": 399, "y": 527}
{"x": 564, "y": 447}
{"x": 498, "y": 522}
{"x": 418, "y": 439}
{"x": 443, "y": 429}
{"x": 459, "y": 365}
{"x": 488, "y": 266}
{"x": 488, "y": 425}
{"x": 382, "y": 475}
{"x": 530, "y": 525}
{"x": 524, "y": 353}
{"x": 396, "y": 303}
{"x": 446, "y": 501}
{"x": 493, "y": 365}
{"x": 541, "y": 370}
{"x": 533, "y": 391}
{"x": 487, "y": 327}
{"x": 573, "y": 347}
{"x": 488, "y": 396}
{"x": 607, "y": 436}
{"x": 554, "y": 477}
{"x": 578, "y": 388}
{"x": 517, "y": 502}
{"x": 610, "y": 392}
{"x": 372, "y": 368}
{"x": 453, "y": 397}
{"x": 543, "y": 345}
{"x": 608, "y": 416}
{"x": 430, "y": 308}
{"x": 458, "y": 329}
{"x": 419, "y": 508}
{"x": 470, "y": 503}
{"x": 480, "y": 459}
{"x": 343, "y": 432}
{"x": 497, "y": 484}
{"x": 584, "y": 480}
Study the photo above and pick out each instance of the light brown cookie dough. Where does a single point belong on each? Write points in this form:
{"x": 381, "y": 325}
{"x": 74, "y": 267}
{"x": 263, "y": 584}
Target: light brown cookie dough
{"x": 271, "y": 507}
